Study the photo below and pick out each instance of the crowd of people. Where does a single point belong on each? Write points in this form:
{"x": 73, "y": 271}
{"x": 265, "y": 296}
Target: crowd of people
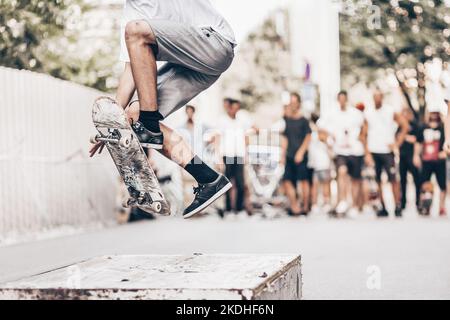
{"x": 355, "y": 144}
{"x": 344, "y": 163}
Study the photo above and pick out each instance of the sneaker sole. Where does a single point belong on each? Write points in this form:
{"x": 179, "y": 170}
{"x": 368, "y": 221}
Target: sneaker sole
{"x": 209, "y": 202}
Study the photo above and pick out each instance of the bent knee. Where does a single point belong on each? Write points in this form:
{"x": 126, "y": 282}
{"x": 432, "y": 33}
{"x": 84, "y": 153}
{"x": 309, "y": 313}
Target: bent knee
{"x": 139, "y": 29}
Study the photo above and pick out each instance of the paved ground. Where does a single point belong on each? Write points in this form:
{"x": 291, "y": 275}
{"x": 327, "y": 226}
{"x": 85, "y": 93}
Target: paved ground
{"x": 343, "y": 259}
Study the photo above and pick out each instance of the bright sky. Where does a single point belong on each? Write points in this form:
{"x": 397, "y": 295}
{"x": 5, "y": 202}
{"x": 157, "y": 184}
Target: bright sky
{"x": 244, "y": 15}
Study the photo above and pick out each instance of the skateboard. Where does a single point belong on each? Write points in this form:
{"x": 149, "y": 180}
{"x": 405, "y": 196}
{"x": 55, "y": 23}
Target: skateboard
{"x": 426, "y": 198}
{"x": 373, "y": 193}
{"x": 129, "y": 157}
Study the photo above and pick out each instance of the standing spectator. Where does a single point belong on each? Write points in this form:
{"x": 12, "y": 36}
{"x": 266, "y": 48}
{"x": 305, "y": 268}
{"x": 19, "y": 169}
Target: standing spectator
{"x": 382, "y": 143}
{"x": 297, "y": 137}
{"x": 347, "y": 128}
{"x": 430, "y": 155}
{"x": 320, "y": 162}
{"x": 406, "y": 158}
{"x": 194, "y": 133}
{"x": 234, "y": 150}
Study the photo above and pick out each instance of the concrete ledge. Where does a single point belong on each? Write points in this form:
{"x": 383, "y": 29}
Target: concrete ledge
{"x": 196, "y": 277}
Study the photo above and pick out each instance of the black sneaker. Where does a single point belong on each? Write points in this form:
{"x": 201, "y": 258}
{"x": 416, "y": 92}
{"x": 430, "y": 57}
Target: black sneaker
{"x": 147, "y": 138}
{"x": 383, "y": 213}
{"x": 206, "y": 194}
{"x": 399, "y": 212}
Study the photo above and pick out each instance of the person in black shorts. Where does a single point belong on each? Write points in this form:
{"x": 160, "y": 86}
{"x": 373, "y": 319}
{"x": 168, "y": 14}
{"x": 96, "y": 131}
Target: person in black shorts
{"x": 354, "y": 165}
{"x": 347, "y": 128}
{"x": 297, "y": 137}
{"x": 430, "y": 155}
{"x": 382, "y": 145}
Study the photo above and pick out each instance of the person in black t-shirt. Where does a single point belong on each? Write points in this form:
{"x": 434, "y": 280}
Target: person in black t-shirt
{"x": 297, "y": 174}
{"x": 431, "y": 157}
{"x": 406, "y": 158}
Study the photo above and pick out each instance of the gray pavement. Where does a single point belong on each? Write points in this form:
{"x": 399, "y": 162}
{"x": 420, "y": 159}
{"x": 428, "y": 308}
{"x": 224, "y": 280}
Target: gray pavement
{"x": 362, "y": 258}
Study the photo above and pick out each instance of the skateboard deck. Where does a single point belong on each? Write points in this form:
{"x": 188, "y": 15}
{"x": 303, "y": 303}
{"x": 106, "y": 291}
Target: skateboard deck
{"x": 129, "y": 157}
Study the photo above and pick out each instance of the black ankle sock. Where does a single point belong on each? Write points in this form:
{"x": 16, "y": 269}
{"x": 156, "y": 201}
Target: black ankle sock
{"x": 201, "y": 172}
{"x": 150, "y": 120}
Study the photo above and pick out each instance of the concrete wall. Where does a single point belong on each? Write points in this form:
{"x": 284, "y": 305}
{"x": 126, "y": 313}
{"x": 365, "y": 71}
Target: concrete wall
{"x": 47, "y": 179}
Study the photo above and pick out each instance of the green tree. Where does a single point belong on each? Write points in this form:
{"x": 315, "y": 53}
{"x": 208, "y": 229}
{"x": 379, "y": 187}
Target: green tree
{"x": 44, "y": 36}
{"x": 26, "y": 25}
{"x": 397, "y": 35}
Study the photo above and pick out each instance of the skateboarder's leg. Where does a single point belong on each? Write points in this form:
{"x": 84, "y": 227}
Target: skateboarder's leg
{"x": 196, "y": 58}
{"x": 176, "y": 149}
{"x": 140, "y": 40}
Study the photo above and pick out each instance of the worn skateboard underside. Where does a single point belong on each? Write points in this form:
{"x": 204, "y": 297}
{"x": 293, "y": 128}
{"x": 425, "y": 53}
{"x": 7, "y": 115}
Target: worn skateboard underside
{"x": 131, "y": 161}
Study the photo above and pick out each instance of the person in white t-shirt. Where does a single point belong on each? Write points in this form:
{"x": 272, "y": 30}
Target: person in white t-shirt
{"x": 197, "y": 44}
{"x": 233, "y": 141}
{"x": 383, "y": 142}
{"x": 347, "y": 127}
{"x": 319, "y": 161}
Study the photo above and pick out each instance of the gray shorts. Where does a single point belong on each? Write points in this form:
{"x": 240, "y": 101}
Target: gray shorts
{"x": 196, "y": 57}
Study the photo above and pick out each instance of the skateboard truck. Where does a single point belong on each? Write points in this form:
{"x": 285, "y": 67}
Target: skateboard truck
{"x": 114, "y": 138}
{"x": 132, "y": 202}
{"x": 142, "y": 199}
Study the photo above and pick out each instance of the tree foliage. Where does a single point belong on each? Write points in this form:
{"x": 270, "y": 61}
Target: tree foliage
{"x": 397, "y": 35}
{"x": 44, "y": 36}
{"x": 26, "y": 25}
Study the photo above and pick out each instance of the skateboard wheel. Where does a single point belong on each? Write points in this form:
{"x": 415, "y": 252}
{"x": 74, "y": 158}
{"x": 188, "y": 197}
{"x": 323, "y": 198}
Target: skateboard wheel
{"x": 94, "y": 139}
{"x": 125, "y": 204}
{"x": 157, "y": 207}
{"x": 128, "y": 203}
{"x": 125, "y": 142}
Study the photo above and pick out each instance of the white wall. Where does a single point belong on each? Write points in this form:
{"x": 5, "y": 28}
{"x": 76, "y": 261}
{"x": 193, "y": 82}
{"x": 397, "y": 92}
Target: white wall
{"x": 315, "y": 38}
{"x": 47, "y": 179}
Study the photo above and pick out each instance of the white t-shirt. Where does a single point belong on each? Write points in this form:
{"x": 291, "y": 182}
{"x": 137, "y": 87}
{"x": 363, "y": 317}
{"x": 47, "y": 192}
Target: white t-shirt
{"x": 345, "y": 127}
{"x": 197, "y": 13}
{"x": 318, "y": 157}
{"x": 233, "y": 136}
{"x": 196, "y": 137}
{"x": 381, "y": 129}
